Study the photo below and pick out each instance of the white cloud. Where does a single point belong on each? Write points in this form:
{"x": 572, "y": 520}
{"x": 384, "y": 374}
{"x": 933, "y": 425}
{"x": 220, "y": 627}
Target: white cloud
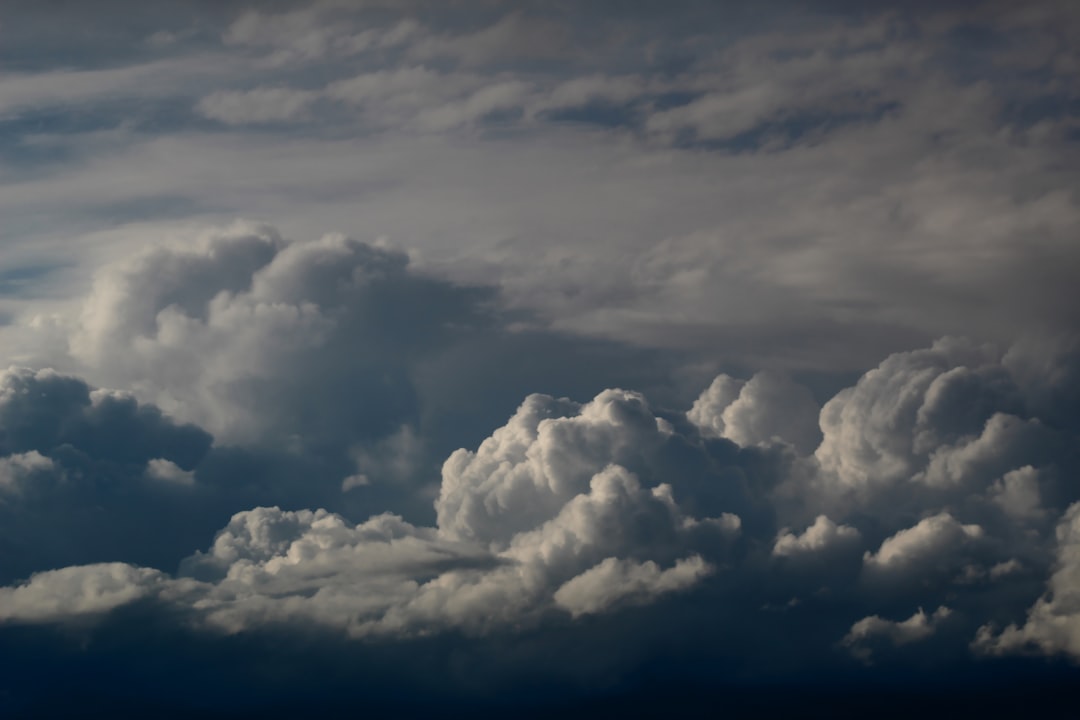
{"x": 581, "y": 91}
{"x": 801, "y": 197}
{"x": 614, "y": 581}
{"x": 935, "y": 423}
{"x": 708, "y": 410}
{"x": 1053, "y": 622}
{"x": 77, "y": 591}
{"x": 259, "y": 105}
{"x": 588, "y": 536}
{"x": 547, "y": 454}
{"x": 1017, "y": 493}
{"x": 930, "y": 544}
{"x": 244, "y": 334}
{"x": 582, "y": 508}
{"x": 822, "y": 536}
{"x": 917, "y": 627}
{"x": 163, "y": 470}
{"x": 764, "y": 409}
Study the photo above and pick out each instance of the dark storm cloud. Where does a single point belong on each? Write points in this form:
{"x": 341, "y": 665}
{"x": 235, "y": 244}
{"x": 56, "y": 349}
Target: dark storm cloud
{"x": 89, "y": 475}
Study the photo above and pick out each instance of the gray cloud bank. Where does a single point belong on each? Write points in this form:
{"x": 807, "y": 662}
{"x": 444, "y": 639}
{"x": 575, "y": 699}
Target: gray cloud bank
{"x": 784, "y": 186}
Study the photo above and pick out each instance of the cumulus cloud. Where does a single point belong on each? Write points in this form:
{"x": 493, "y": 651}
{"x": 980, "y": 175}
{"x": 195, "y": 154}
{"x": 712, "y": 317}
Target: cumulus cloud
{"x": 949, "y": 429}
{"x": 1053, "y": 622}
{"x": 930, "y": 544}
{"x": 168, "y": 471}
{"x": 823, "y": 536}
{"x": 255, "y": 338}
{"x": 713, "y": 188}
{"x": 917, "y": 627}
{"x": 768, "y": 407}
{"x": 568, "y": 529}
{"x": 614, "y": 581}
{"x": 79, "y": 591}
{"x": 577, "y": 509}
{"x": 1018, "y": 494}
{"x": 312, "y": 33}
{"x": 514, "y": 36}
{"x": 883, "y": 429}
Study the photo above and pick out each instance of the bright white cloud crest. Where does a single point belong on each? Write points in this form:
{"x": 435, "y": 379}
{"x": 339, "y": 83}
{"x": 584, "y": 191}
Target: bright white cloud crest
{"x": 569, "y": 529}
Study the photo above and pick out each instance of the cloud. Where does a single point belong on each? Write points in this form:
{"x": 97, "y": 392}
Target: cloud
{"x": 938, "y": 430}
{"x": 547, "y": 454}
{"x": 927, "y": 545}
{"x": 917, "y": 627}
{"x": 80, "y": 591}
{"x": 613, "y": 581}
{"x": 572, "y": 513}
{"x": 1053, "y": 622}
{"x": 83, "y": 471}
{"x": 167, "y": 471}
{"x": 821, "y": 537}
{"x": 254, "y": 338}
{"x": 880, "y": 431}
{"x": 1017, "y": 493}
{"x": 766, "y": 408}
{"x": 592, "y": 537}
{"x": 635, "y": 201}
{"x": 260, "y": 105}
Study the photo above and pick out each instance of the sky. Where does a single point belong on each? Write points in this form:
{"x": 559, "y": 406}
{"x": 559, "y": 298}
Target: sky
{"x": 596, "y": 358}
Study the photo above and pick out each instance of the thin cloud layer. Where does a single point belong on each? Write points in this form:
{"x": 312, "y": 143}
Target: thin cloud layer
{"x": 761, "y": 203}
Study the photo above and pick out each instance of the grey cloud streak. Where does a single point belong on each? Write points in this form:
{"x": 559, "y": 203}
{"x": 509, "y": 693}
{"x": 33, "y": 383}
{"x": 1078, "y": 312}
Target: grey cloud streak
{"x": 809, "y": 219}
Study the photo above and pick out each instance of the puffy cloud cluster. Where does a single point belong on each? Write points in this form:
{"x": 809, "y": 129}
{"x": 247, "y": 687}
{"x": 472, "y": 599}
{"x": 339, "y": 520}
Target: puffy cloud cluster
{"x": 937, "y": 482}
{"x": 934, "y": 480}
{"x": 262, "y": 340}
{"x": 767, "y": 407}
{"x": 544, "y": 517}
{"x": 949, "y": 428}
{"x": 919, "y": 550}
{"x": 953, "y": 460}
